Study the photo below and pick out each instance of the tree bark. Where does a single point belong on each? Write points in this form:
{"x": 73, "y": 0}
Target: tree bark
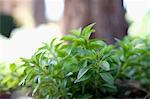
{"x": 109, "y": 16}
{"x": 39, "y": 12}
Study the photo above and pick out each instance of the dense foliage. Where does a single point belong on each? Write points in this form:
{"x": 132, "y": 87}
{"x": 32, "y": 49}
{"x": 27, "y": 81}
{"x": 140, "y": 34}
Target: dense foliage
{"x": 78, "y": 67}
{"x": 10, "y": 76}
{"x": 134, "y": 54}
{"x": 133, "y": 59}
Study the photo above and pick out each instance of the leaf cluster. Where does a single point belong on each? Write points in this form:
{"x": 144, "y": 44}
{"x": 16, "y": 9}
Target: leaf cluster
{"x": 71, "y": 67}
{"x": 75, "y": 66}
{"x": 10, "y": 76}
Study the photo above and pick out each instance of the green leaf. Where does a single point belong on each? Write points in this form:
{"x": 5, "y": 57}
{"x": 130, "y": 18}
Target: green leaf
{"x": 61, "y": 53}
{"x": 85, "y": 96}
{"x": 110, "y": 86}
{"x": 6, "y": 79}
{"x": 108, "y": 49}
{"x": 12, "y": 67}
{"x": 105, "y": 65}
{"x": 83, "y": 70}
{"x": 37, "y": 79}
{"x": 76, "y": 31}
{"x": 69, "y": 74}
{"x": 85, "y": 77}
{"x": 22, "y": 82}
{"x": 107, "y": 77}
{"x": 69, "y": 38}
{"x": 51, "y": 43}
{"x": 86, "y": 33}
{"x": 97, "y": 44}
{"x": 35, "y": 89}
{"x": 79, "y": 41}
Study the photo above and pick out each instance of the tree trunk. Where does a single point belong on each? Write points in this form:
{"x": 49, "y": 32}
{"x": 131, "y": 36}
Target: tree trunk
{"x": 109, "y": 16}
{"x": 39, "y": 12}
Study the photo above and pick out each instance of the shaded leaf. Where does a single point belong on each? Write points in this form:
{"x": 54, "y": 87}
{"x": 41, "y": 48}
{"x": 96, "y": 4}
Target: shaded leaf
{"x": 105, "y": 65}
{"x": 107, "y": 77}
{"x": 85, "y": 77}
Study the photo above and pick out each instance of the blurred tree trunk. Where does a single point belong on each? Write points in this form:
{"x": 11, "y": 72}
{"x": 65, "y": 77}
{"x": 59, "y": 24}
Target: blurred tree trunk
{"x": 109, "y": 16}
{"x": 39, "y": 12}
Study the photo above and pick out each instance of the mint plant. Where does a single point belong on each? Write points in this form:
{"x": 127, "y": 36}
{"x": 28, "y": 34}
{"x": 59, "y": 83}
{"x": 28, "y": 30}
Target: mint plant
{"x": 77, "y": 67}
{"x": 10, "y": 76}
{"x": 135, "y": 55}
{"x": 71, "y": 67}
{"x": 134, "y": 61}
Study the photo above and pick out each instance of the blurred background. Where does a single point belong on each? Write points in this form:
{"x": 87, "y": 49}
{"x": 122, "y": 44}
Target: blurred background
{"x": 25, "y": 24}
